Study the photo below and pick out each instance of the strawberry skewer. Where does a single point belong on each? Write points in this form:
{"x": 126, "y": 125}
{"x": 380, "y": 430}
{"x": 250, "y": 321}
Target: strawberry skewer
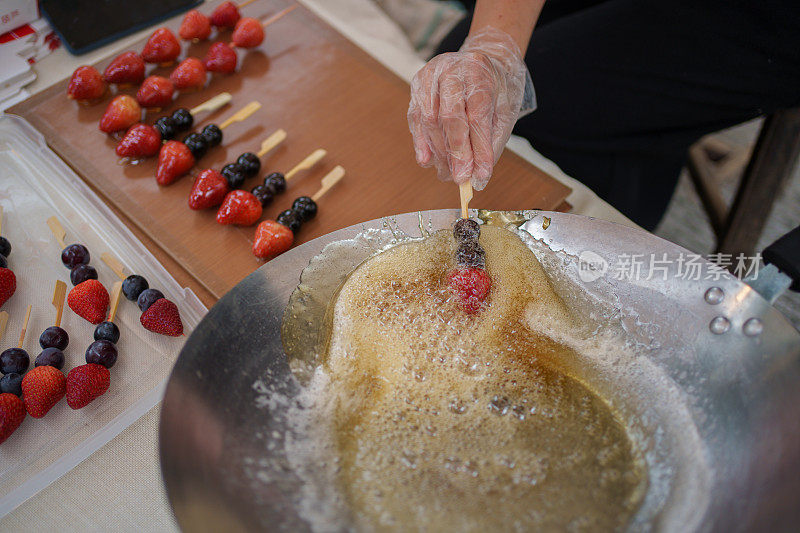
{"x": 176, "y": 158}
{"x": 244, "y": 208}
{"x": 42, "y": 387}
{"x": 272, "y": 238}
{"x": 143, "y": 140}
{"x": 210, "y": 187}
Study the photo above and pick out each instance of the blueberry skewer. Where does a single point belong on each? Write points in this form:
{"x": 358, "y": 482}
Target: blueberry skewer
{"x": 275, "y": 237}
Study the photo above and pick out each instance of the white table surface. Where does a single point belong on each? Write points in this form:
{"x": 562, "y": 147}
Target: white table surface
{"x": 119, "y": 488}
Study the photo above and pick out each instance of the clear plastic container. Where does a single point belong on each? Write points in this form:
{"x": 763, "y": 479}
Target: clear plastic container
{"x": 35, "y": 185}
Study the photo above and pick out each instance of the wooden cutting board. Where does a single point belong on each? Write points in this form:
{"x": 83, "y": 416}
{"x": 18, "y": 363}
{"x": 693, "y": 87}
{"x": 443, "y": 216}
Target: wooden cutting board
{"x": 326, "y": 93}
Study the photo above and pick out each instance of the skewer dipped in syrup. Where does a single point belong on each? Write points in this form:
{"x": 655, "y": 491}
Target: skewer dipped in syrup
{"x": 244, "y": 208}
{"x": 272, "y": 238}
{"x": 210, "y": 187}
{"x": 176, "y": 158}
{"x": 248, "y": 33}
{"x": 143, "y": 140}
{"x": 8, "y": 280}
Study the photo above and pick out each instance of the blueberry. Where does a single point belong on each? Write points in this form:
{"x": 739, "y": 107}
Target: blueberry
{"x": 102, "y": 352}
{"x": 166, "y": 127}
{"x": 234, "y": 174}
{"x": 305, "y": 207}
{"x": 133, "y": 286}
{"x": 471, "y": 254}
{"x": 196, "y": 144}
{"x": 290, "y": 219}
{"x": 14, "y": 360}
{"x": 5, "y": 247}
{"x": 50, "y": 357}
{"x": 212, "y": 134}
{"x": 262, "y": 193}
{"x": 276, "y": 183}
{"x": 466, "y": 230}
{"x": 147, "y": 297}
{"x": 81, "y": 273}
{"x": 106, "y": 331}
{"x": 11, "y": 383}
{"x": 250, "y": 164}
{"x": 54, "y": 337}
{"x": 74, "y": 255}
{"x": 182, "y": 119}
{"x": 3, "y": 261}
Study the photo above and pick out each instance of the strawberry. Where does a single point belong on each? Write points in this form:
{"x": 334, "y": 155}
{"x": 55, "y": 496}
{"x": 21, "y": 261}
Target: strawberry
{"x": 128, "y": 67}
{"x": 12, "y": 413}
{"x": 141, "y": 140}
{"x": 209, "y": 190}
{"x": 86, "y": 84}
{"x": 42, "y": 388}
{"x": 248, "y": 33}
{"x": 239, "y": 207}
{"x": 174, "y": 160}
{"x": 156, "y": 91}
{"x": 220, "y": 58}
{"x": 272, "y": 239}
{"x": 471, "y": 285}
{"x": 8, "y": 284}
{"x": 161, "y": 47}
{"x": 86, "y": 383}
{"x": 162, "y": 317}
{"x": 122, "y": 112}
{"x": 195, "y": 26}
{"x": 89, "y": 300}
{"x": 225, "y": 16}
{"x": 190, "y": 73}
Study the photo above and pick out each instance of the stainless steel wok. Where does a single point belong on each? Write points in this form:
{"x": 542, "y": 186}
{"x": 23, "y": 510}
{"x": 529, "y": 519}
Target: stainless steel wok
{"x": 715, "y": 390}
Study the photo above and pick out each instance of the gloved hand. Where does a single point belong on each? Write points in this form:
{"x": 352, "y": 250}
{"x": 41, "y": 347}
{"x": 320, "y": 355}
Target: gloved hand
{"x": 464, "y": 105}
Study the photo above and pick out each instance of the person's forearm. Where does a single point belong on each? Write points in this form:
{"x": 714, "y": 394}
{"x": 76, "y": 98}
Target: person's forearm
{"x": 515, "y": 17}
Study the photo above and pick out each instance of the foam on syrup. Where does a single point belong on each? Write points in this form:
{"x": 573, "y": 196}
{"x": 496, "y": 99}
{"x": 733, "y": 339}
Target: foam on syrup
{"x": 436, "y": 419}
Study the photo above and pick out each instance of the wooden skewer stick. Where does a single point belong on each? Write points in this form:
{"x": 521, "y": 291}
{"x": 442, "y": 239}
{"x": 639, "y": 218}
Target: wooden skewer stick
{"x": 212, "y": 104}
{"x": 465, "y": 191}
{"x": 3, "y": 323}
{"x": 59, "y": 293}
{"x": 245, "y": 3}
{"x": 330, "y": 179}
{"x": 58, "y": 230}
{"x": 114, "y": 264}
{"x": 310, "y": 160}
{"x": 240, "y": 115}
{"x": 116, "y": 291}
{"x": 271, "y": 142}
{"x": 279, "y": 15}
{"x": 24, "y": 327}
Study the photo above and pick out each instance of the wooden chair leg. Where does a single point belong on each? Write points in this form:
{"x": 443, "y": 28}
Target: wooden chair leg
{"x": 770, "y": 166}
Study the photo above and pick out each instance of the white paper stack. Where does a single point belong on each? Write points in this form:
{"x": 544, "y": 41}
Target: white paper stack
{"x": 19, "y": 50}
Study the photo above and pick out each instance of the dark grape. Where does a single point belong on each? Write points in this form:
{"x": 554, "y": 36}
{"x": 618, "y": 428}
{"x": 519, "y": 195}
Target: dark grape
{"x": 50, "y": 357}
{"x": 290, "y": 219}
{"x": 212, "y": 134}
{"x": 106, "y": 331}
{"x": 471, "y": 254}
{"x": 262, "y": 193}
{"x": 5, "y": 247}
{"x": 14, "y": 360}
{"x": 234, "y": 174}
{"x": 147, "y": 297}
{"x": 276, "y": 183}
{"x": 54, "y": 337}
{"x": 182, "y": 119}
{"x": 466, "y": 229}
{"x": 133, "y": 286}
{"x": 81, "y": 273}
{"x": 102, "y": 352}
{"x": 166, "y": 127}
{"x": 74, "y": 255}
{"x": 11, "y": 383}
{"x": 196, "y": 144}
{"x": 250, "y": 164}
{"x": 305, "y": 207}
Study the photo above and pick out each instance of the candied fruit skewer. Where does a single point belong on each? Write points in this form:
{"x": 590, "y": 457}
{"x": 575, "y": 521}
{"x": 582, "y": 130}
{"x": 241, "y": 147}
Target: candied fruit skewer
{"x": 272, "y": 238}
{"x": 144, "y": 140}
{"x": 176, "y": 158}
{"x": 211, "y": 187}
{"x": 469, "y": 279}
{"x": 244, "y": 208}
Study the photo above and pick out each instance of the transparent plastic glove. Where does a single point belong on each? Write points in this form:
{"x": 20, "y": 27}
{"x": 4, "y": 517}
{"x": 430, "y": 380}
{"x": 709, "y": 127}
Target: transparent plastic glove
{"x": 464, "y": 105}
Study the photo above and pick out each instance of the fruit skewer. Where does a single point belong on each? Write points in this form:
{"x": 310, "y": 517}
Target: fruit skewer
{"x": 210, "y": 187}
{"x": 176, "y": 158}
{"x": 86, "y": 383}
{"x": 14, "y": 362}
{"x": 158, "y": 316}
{"x": 54, "y": 339}
{"x": 143, "y": 140}
{"x": 8, "y": 280}
{"x": 244, "y": 208}
{"x": 248, "y": 33}
{"x": 12, "y": 407}
{"x": 272, "y": 238}
{"x": 88, "y": 298}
